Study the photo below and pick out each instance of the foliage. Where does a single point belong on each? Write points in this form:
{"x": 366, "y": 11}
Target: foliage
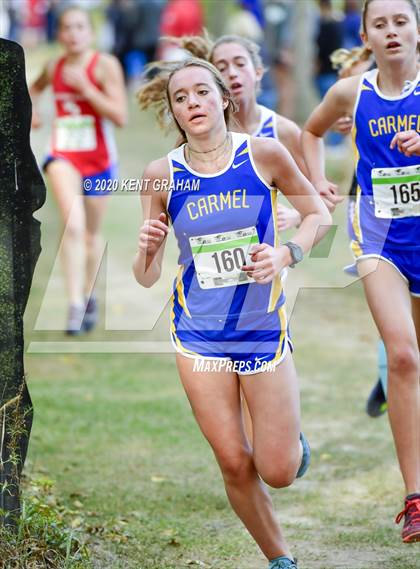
{"x": 48, "y": 535}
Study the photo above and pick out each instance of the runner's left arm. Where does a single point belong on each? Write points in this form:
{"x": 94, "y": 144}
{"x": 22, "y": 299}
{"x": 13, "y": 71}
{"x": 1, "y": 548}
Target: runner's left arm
{"x": 289, "y": 134}
{"x": 338, "y": 102}
{"x": 301, "y": 194}
{"x": 278, "y": 168}
{"x": 112, "y": 103}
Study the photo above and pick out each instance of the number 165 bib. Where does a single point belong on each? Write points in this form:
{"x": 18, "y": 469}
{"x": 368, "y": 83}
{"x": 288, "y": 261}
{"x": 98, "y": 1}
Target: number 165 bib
{"x": 396, "y": 191}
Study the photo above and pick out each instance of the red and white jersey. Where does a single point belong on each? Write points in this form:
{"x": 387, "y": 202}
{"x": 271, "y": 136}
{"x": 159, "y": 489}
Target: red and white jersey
{"x": 80, "y": 134}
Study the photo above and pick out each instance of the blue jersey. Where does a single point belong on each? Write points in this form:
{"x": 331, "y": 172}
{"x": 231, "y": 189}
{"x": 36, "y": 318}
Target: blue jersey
{"x": 216, "y": 219}
{"x": 268, "y": 124}
{"x": 387, "y": 209}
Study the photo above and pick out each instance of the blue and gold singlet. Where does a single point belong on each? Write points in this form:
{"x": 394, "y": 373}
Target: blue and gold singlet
{"x": 268, "y": 124}
{"x": 386, "y": 220}
{"x": 216, "y": 219}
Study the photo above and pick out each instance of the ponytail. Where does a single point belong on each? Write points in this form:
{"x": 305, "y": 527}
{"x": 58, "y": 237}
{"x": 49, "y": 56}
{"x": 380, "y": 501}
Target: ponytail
{"x": 152, "y": 94}
{"x": 343, "y": 59}
{"x": 197, "y": 46}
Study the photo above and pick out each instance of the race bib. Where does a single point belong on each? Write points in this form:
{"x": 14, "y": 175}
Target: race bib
{"x": 75, "y": 133}
{"x": 396, "y": 192}
{"x": 219, "y": 258}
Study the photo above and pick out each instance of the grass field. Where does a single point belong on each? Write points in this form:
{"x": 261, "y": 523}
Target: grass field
{"x": 116, "y": 433}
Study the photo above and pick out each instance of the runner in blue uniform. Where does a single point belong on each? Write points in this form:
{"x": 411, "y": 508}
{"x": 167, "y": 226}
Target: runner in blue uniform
{"x": 228, "y": 324}
{"x": 386, "y": 224}
{"x": 239, "y": 61}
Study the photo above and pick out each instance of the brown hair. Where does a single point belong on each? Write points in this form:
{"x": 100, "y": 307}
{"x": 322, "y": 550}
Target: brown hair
{"x": 155, "y": 92}
{"x": 203, "y": 47}
{"x": 197, "y": 46}
{"x": 251, "y": 47}
{"x": 413, "y": 3}
{"x": 72, "y": 8}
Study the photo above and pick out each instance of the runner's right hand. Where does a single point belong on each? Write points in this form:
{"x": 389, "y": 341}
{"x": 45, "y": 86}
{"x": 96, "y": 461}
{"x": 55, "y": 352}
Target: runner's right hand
{"x": 152, "y": 234}
{"x": 287, "y": 217}
{"x": 329, "y": 194}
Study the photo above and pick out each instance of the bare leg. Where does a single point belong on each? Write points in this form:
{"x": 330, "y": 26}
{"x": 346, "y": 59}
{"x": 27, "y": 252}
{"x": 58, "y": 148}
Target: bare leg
{"x": 215, "y": 401}
{"x": 415, "y": 303}
{"x": 266, "y": 421}
{"x": 95, "y": 208}
{"x": 65, "y": 184}
{"x": 246, "y": 416}
{"x": 273, "y": 401}
{"x": 389, "y": 301}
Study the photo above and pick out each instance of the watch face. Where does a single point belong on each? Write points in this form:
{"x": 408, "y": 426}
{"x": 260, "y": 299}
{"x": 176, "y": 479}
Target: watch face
{"x": 295, "y": 251}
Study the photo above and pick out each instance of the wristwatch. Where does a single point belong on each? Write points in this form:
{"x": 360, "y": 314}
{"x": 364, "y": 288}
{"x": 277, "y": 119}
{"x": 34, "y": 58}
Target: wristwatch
{"x": 295, "y": 252}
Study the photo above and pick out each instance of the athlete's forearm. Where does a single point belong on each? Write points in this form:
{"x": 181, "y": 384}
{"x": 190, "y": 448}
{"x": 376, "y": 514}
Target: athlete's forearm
{"x": 300, "y": 161}
{"x": 106, "y": 106}
{"x": 313, "y": 152}
{"x": 313, "y": 228}
{"x": 292, "y": 143}
{"x": 146, "y": 270}
{"x": 267, "y": 261}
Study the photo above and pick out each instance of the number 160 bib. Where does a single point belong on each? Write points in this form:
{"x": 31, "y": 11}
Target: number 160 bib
{"x": 219, "y": 257}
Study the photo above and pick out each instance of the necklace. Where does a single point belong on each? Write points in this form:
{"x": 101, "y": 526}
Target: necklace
{"x": 211, "y": 150}
{"x": 214, "y": 158}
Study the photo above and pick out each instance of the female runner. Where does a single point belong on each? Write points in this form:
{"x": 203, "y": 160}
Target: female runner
{"x": 228, "y": 325}
{"x": 386, "y": 225}
{"x": 89, "y": 96}
{"x": 239, "y": 61}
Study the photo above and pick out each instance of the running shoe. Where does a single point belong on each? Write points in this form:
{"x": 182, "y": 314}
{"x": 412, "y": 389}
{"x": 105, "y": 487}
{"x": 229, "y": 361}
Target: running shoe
{"x": 91, "y": 315}
{"x": 376, "y": 404}
{"x": 283, "y": 563}
{"x": 75, "y": 319}
{"x": 306, "y": 456}
{"x": 411, "y": 530}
